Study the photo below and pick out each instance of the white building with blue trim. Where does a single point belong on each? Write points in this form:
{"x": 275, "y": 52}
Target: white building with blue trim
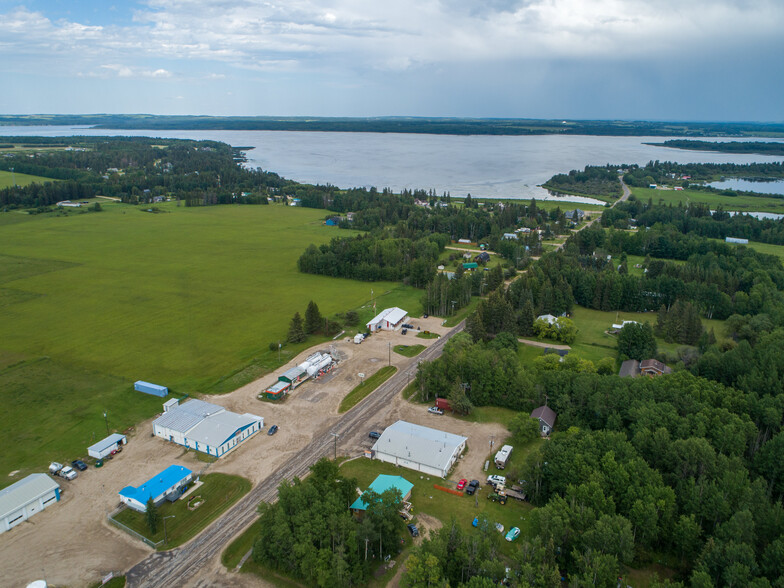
{"x": 167, "y": 485}
{"x": 25, "y": 498}
{"x": 205, "y": 427}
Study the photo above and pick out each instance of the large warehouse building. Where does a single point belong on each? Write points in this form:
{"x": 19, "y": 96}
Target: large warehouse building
{"x": 205, "y": 427}
{"x": 25, "y": 498}
{"x": 419, "y": 448}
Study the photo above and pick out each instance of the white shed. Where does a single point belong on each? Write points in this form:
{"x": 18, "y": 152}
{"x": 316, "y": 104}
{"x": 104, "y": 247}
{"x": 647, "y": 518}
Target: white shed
{"x": 25, "y": 498}
{"x": 388, "y": 319}
{"x": 105, "y": 446}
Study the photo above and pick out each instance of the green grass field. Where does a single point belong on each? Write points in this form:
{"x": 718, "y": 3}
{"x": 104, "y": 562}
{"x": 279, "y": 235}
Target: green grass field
{"x": 742, "y": 203}
{"x": 362, "y": 390}
{"x": 408, "y": 350}
{"x": 777, "y": 250}
{"x": 218, "y": 492}
{"x": 7, "y": 179}
{"x": 190, "y": 299}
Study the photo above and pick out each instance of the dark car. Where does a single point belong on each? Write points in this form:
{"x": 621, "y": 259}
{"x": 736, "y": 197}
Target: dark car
{"x": 374, "y": 435}
{"x": 413, "y": 530}
{"x": 425, "y": 316}
{"x": 407, "y": 326}
{"x": 272, "y": 430}
{"x": 472, "y": 487}
{"x": 79, "y": 465}
{"x": 405, "y": 331}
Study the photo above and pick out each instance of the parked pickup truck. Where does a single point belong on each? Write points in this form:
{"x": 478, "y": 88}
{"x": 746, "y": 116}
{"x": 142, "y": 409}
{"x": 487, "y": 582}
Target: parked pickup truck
{"x": 58, "y": 469}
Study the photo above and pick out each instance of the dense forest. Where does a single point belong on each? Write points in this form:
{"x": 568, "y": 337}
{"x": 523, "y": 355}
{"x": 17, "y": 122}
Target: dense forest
{"x": 601, "y": 182}
{"x": 431, "y": 125}
{"x": 689, "y": 466}
{"x": 755, "y": 147}
{"x": 310, "y": 533}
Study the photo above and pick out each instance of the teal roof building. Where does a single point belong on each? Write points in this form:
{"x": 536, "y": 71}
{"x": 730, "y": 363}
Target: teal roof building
{"x": 383, "y": 483}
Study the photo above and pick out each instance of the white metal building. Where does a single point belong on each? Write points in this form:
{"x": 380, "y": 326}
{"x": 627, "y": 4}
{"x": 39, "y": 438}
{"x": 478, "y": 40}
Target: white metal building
{"x": 25, "y": 498}
{"x": 105, "y": 446}
{"x": 205, "y": 427}
{"x": 419, "y": 448}
{"x": 388, "y": 319}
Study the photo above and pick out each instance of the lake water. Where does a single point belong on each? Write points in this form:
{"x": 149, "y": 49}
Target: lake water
{"x": 761, "y": 187}
{"x": 484, "y": 166}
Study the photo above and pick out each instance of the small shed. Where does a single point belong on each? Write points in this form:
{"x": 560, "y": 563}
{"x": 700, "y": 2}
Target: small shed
{"x": 105, "y": 446}
{"x": 294, "y": 376}
{"x": 277, "y": 390}
{"x": 25, "y": 498}
{"x": 153, "y": 389}
{"x": 464, "y": 241}
{"x": 736, "y": 240}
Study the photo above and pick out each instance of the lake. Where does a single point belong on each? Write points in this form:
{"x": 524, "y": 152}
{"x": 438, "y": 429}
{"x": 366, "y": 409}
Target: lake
{"x": 759, "y": 186}
{"x": 484, "y": 166}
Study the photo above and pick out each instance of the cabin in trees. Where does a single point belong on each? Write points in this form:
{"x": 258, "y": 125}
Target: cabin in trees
{"x": 483, "y": 257}
{"x": 547, "y": 317}
{"x": 546, "y": 417}
{"x": 631, "y": 368}
{"x": 380, "y": 485}
{"x": 575, "y": 215}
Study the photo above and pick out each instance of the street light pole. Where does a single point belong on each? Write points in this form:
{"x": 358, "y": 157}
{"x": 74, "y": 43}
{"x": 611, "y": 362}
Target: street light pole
{"x": 106, "y": 420}
{"x": 389, "y": 347}
{"x": 335, "y": 435}
{"x": 165, "y": 538}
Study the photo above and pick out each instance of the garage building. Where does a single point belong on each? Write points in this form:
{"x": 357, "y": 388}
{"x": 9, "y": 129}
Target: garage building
{"x": 205, "y": 427}
{"x": 419, "y": 448}
{"x": 389, "y": 319}
{"x": 25, "y": 498}
{"x": 105, "y": 446}
{"x": 168, "y": 485}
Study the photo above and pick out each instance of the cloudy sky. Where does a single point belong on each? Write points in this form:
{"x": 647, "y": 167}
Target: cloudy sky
{"x": 639, "y": 59}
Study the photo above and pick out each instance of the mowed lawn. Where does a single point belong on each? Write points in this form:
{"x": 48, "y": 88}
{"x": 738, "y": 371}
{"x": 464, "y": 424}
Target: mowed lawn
{"x": 184, "y": 298}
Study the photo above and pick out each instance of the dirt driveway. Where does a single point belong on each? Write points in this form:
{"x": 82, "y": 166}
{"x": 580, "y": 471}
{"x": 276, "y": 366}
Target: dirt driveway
{"x": 72, "y": 544}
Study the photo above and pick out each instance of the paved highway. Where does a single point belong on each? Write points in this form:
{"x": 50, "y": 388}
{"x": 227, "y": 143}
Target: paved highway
{"x": 182, "y": 565}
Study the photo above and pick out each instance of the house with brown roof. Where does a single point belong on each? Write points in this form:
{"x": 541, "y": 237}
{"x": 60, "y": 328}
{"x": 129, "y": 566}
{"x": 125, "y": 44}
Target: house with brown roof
{"x": 546, "y": 417}
{"x": 653, "y": 367}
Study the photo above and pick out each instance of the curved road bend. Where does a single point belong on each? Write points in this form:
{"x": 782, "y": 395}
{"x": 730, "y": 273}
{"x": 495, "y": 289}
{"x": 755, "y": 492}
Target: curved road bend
{"x": 179, "y": 566}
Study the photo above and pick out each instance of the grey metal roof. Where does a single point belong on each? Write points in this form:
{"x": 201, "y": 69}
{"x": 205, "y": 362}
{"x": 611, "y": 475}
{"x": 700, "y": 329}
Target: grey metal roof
{"x": 106, "y": 443}
{"x": 25, "y": 491}
{"x": 293, "y": 373}
{"x": 630, "y": 369}
{"x": 546, "y": 414}
{"x": 184, "y": 417}
{"x": 423, "y": 445}
{"x": 219, "y": 428}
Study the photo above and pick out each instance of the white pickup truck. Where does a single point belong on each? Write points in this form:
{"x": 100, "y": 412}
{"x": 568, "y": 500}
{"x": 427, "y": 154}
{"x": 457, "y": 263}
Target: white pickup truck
{"x": 58, "y": 469}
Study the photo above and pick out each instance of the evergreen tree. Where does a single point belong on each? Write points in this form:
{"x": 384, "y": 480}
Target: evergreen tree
{"x": 526, "y": 318}
{"x": 296, "y": 330}
{"x": 151, "y": 516}
{"x": 313, "y": 318}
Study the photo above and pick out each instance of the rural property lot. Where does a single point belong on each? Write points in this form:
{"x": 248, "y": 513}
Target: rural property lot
{"x": 190, "y": 298}
{"x": 77, "y": 558}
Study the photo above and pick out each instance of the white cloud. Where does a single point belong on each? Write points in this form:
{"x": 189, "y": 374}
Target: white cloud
{"x": 125, "y": 71}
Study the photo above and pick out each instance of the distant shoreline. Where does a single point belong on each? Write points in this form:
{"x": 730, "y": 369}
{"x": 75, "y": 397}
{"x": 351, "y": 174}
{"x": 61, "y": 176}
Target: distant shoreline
{"x": 750, "y": 147}
{"x": 413, "y": 125}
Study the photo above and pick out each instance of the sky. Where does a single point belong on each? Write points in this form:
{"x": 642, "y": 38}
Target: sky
{"x": 699, "y": 60}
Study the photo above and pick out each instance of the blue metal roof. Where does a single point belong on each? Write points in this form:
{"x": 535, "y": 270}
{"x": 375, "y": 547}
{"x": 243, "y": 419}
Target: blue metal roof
{"x": 106, "y": 443}
{"x": 380, "y": 485}
{"x": 157, "y": 485}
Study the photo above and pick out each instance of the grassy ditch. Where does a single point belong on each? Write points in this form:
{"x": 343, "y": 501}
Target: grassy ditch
{"x": 362, "y": 390}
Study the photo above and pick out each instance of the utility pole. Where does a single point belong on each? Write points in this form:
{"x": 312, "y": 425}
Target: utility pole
{"x": 335, "y": 435}
{"x": 278, "y": 351}
{"x": 106, "y": 420}
{"x": 389, "y": 346}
